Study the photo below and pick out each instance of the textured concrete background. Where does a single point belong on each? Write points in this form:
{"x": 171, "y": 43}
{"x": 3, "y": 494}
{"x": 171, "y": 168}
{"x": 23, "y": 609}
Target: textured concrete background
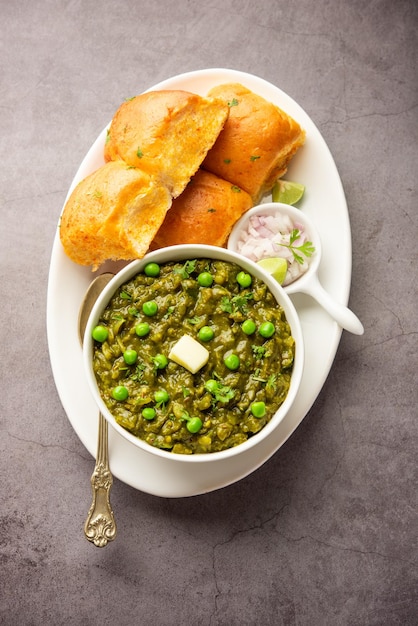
{"x": 325, "y": 533}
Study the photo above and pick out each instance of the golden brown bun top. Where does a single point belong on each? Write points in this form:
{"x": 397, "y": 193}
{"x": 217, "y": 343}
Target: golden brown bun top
{"x": 166, "y": 133}
{"x": 256, "y": 143}
{"x": 204, "y": 213}
{"x": 113, "y": 213}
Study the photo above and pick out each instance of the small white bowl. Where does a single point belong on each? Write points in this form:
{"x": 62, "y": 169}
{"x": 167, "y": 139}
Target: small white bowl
{"x": 184, "y": 252}
{"x": 307, "y": 282}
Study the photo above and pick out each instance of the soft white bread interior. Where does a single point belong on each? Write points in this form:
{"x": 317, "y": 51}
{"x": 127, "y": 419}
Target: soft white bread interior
{"x": 114, "y": 214}
{"x": 166, "y": 133}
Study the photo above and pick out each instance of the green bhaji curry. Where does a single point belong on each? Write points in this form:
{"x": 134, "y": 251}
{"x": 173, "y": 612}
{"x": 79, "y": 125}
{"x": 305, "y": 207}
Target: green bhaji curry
{"x": 232, "y": 331}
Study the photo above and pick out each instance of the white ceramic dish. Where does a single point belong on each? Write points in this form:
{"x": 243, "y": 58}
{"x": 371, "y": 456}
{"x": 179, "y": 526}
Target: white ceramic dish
{"x": 324, "y": 201}
{"x": 308, "y": 282}
{"x": 182, "y": 253}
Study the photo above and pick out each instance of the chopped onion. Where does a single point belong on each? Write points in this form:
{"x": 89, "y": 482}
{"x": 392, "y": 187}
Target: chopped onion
{"x": 264, "y": 238}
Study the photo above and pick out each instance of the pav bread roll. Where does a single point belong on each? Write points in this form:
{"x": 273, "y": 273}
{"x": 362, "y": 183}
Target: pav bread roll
{"x": 204, "y": 213}
{"x": 114, "y": 214}
{"x": 257, "y": 141}
{"x": 166, "y": 133}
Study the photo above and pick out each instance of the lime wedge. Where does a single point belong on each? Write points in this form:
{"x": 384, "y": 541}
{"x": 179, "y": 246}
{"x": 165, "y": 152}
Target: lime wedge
{"x": 276, "y": 266}
{"x": 287, "y": 192}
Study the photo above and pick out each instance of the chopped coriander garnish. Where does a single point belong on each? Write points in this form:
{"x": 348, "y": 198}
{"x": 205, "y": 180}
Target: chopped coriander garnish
{"x": 254, "y": 158}
{"x": 235, "y": 189}
{"x": 241, "y": 302}
{"x": 306, "y": 248}
{"x": 237, "y": 303}
{"x": 271, "y": 382}
{"x": 169, "y": 312}
{"x": 139, "y": 371}
{"x": 226, "y": 304}
{"x": 186, "y": 392}
{"x": 139, "y": 153}
{"x": 219, "y": 392}
{"x": 258, "y": 351}
{"x": 194, "y": 320}
{"x": 187, "y": 269}
{"x": 233, "y": 103}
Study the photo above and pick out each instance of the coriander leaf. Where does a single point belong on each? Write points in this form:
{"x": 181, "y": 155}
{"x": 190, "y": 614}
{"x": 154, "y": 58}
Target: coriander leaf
{"x": 170, "y": 311}
{"x": 271, "y": 381}
{"x": 139, "y": 372}
{"x": 226, "y": 304}
{"x": 194, "y": 320}
{"x": 187, "y": 269}
{"x": 306, "y": 248}
{"x": 240, "y": 302}
{"x": 258, "y": 351}
{"x": 222, "y": 393}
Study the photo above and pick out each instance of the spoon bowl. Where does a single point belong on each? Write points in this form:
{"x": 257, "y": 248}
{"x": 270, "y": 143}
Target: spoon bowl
{"x": 308, "y": 282}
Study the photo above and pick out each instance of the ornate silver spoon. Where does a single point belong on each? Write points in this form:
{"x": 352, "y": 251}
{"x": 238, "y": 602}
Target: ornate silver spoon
{"x": 100, "y": 525}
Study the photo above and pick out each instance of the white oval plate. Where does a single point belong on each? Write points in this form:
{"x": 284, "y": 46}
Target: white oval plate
{"x": 324, "y": 202}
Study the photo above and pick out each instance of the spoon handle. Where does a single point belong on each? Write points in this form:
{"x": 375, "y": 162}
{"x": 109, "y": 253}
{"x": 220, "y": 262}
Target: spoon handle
{"x": 100, "y": 526}
{"x": 342, "y": 314}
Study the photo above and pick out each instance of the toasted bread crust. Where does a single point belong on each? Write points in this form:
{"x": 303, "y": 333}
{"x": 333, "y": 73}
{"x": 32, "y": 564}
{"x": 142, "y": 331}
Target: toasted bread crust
{"x": 257, "y": 141}
{"x": 204, "y": 213}
{"x": 155, "y": 146}
{"x": 114, "y": 213}
{"x": 166, "y": 133}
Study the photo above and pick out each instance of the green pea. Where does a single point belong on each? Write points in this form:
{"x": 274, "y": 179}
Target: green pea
{"x": 100, "y": 333}
{"x": 120, "y": 393}
{"x": 244, "y": 279}
{"x": 160, "y": 361}
{"x": 161, "y": 396}
{"x": 205, "y": 279}
{"x": 142, "y": 329}
{"x": 194, "y": 424}
{"x": 266, "y": 329}
{"x": 258, "y": 409}
{"x": 150, "y": 308}
{"x": 211, "y": 385}
{"x": 248, "y": 327}
{"x": 130, "y": 356}
{"x": 152, "y": 269}
{"x": 148, "y": 413}
{"x": 205, "y": 333}
{"x": 232, "y": 361}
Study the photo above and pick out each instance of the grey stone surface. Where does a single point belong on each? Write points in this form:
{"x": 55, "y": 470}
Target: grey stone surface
{"x": 325, "y": 533}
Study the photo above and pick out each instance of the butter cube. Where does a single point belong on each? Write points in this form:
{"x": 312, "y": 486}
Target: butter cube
{"x": 189, "y": 353}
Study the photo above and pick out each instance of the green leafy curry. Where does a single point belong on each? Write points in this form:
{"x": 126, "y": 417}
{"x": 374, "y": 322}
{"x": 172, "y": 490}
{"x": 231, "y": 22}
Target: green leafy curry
{"x": 231, "y": 318}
